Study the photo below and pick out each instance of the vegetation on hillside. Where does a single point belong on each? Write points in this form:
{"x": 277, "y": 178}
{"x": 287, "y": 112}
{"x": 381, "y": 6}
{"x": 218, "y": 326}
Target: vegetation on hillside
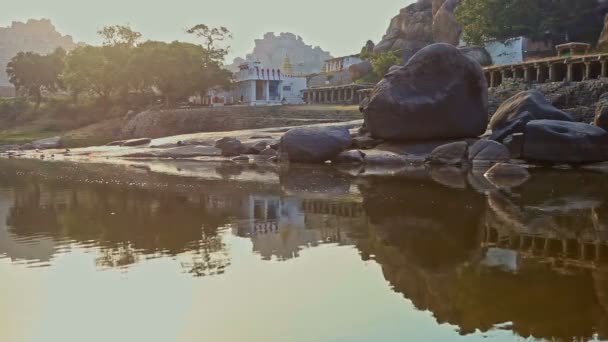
{"x": 381, "y": 63}
{"x": 560, "y": 20}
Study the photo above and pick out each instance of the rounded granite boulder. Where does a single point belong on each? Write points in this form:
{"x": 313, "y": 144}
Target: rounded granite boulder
{"x": 439, "y": 94}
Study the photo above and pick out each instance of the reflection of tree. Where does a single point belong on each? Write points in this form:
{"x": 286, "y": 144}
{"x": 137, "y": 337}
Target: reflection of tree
{"x": 124, "y": 223}
{"x": 211, "y": 257}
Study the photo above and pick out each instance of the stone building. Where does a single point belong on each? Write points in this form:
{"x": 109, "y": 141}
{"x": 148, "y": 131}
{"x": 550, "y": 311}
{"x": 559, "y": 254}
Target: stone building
{"x": 340, "y": 64}
{"x": 258, "y": 85}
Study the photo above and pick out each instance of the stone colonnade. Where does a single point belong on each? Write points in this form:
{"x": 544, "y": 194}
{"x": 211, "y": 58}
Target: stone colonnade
{"x": 571, "y": 69}
{"x": 348, "y": 94}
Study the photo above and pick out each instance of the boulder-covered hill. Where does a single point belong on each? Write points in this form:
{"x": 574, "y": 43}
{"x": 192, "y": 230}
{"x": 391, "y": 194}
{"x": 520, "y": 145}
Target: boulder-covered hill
{"x": 39, "y": 36}
{"x": 272, "y": 49}
{"x": 420, "y": 24}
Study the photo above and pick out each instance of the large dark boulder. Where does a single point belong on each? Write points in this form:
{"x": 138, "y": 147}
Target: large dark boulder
{"x": 531, "y": 101}
{"x": 438, "y": 94}
{"x": 565, "y": 142}
{"x": 314, "y": 144}
{"x": 478, "y": 54}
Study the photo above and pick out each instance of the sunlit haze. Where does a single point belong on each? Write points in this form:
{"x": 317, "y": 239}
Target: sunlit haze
{"x": 338, "y": 26}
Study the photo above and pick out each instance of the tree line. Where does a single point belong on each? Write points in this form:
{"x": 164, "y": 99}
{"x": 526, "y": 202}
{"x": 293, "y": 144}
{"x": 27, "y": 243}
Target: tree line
{"x": 558, "y": 20}
{"x": 124, "y": 66}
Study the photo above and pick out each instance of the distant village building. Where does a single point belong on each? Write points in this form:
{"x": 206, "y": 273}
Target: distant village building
{"x": 340, "y": 64}
{"x": 518, "y": 50}
{"x": 257, "y": 85}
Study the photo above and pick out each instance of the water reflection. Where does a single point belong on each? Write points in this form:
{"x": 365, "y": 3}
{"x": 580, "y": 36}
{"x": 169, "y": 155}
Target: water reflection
{"x": 532, "y": 260}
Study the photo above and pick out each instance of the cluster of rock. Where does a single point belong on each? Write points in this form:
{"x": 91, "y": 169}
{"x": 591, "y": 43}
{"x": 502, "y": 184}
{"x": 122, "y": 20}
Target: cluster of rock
{"x": 272, "y": 49}
{"x": 421, "y": 24}
{"x": 439, "y": 99}
{"x": 577, "y": 98}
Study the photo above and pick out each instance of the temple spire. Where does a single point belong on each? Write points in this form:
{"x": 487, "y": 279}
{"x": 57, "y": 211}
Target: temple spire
{"x": 287, "y": 68}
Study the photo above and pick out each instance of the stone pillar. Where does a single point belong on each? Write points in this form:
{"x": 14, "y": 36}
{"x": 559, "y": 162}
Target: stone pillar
{"x": 267, "y": 85}
{"x": 332, "y": 96}
{"x": 492, "y": 79}
{"x": 552, "y": 75}
{"x": 527, "y": 74}
{"x": 503, "y": 74}
{"x": 351, "y": 94}
{"x": 604, "y": 69}
{"x": 539, "y": 73}
{"x": 587, "y": 70}
{"x": 569, "y": 75}
{"x": 514, "y": 73}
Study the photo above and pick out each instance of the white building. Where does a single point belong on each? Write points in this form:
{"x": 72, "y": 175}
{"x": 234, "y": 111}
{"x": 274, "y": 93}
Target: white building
{"x": 260, "y": 86}
{"x": 340, "y": 63}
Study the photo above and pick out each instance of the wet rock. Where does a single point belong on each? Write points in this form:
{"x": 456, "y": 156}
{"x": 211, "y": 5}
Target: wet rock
{"x": 48, "y": 143}
{"x": 512, "y": 126}
{"x": 450, "y": 154}
{"x": 512, "y": 111}
{"x": 240, "y": 159}
{"x": 254, "y": 147}
{"x": 565, "y": 142}
{"x": 315, "y": 144}
{"x": 601, "y": 112}
{"x": 597, "y": 167}
{"x": 438, "y": 94}
{"x": 488, "y": 151}
{"x": 269, "y": 152}
{"x": 365, "y": 142}
{"x": 384, "y": 158}
{"x": 230, "y": 146}
{"x": 116, "y": 143}
{"x": 515, "y": 144}
{"x": 136, "y": 142}
{"x": 350, "y": 157}
{"x": 504, "y": 175}
{"x": 179, "y": 152}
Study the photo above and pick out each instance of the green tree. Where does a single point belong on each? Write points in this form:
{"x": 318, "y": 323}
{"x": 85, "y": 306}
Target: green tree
{"x": 119, "y": 35}
{"x": 101, "y": 71}
{"x": 213, "y": 38}
{"x": 484, "y": 20}
{"x": 174, "y": 69}
{"x": 382, "y": 62}
{"x": 33, "y": 73}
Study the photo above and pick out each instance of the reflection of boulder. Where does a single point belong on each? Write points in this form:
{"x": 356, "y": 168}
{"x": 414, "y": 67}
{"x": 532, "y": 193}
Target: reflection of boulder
{"x": 426, "y": 239}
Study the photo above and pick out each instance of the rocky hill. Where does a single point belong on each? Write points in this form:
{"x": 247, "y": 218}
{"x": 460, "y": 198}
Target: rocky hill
{"x": 421, "y": 24}
{"x": 272, "y": 49}
{"x": 35, "y": 35}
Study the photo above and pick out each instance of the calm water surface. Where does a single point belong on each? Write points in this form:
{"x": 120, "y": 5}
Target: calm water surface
{"x": 113, "y": 253}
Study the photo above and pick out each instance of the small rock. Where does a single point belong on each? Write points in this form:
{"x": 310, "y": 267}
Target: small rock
{"x": 488, "y": 151}
{"x": 269, "y": 152}
{"x": 136, "y": 142}
{"x": 350, "y": 157}
{"x": 241, "y": 159}
{"x": 230, "y": 146}
{"x": 314, "y": 144}
{"x": 515, "y": 144}
{"x": 48, "y": 143}
{"x": 255, "y": 147}
{"x": 504, "y": 175}
{"x": 365, "y": 142}
{"x": 384, "y": 158}
{"x": 450, "y": 154}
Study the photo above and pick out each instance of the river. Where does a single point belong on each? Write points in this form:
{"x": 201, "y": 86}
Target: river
{"x": 123, "y": 253}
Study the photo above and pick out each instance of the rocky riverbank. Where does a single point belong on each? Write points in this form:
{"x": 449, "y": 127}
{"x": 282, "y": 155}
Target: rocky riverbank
{"x": 426, "y": 118}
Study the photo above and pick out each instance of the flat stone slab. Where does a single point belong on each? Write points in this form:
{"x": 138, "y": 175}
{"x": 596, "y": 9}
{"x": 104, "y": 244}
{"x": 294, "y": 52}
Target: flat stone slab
{"x": 179, "y": 152}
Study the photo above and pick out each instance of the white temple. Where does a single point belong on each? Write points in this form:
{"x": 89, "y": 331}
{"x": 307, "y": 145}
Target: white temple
{"x": 260, "y": 86}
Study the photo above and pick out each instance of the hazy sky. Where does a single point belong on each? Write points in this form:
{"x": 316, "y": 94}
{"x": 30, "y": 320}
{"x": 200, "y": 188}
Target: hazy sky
{"x": 339, "y": 26}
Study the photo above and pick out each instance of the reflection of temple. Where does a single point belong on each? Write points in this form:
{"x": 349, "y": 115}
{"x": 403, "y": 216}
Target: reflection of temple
{"x": 282, "y": 226}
